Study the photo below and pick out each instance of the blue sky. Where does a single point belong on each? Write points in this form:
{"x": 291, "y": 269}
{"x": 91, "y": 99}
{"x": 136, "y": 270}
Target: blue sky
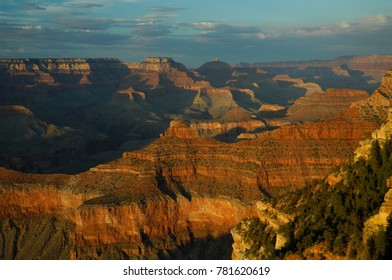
{"x": 193, "y": 32}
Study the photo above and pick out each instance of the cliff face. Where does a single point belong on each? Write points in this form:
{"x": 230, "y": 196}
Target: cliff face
{"x": 95, "y": 105}
{"x": 219, "y": 129}
{"x": 245, "y": 245}
{"x": 353, "y": 193}
{"x": 286, "y": 157}
{"x": 157, "y": 71}
{"x": 374, "y": 66}
{"x": 157, "y": 201}
{"x": 57, "y": 70}
{"x": 322, "y": 105}
{"x": 376, "y": 107}
{"x": 379, "y": 222}
{"x": 199, "y": 187}
{"x": 106, "y": 224}
{"x": 310, "y": 88}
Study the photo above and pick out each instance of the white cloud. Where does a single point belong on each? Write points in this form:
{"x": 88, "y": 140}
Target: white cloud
{"x": 340, "y": 28}
{"x": 261, "y": 36}
{"x": 31, "y": 27}
{"x": 343, "y": 25}
{"x": 375, "y": 21}
{"x": 205, "y": 25}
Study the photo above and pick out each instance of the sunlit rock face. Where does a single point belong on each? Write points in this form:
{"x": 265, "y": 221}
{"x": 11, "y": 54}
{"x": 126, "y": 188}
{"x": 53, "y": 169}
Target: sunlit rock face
{"x": 180, "y": 190}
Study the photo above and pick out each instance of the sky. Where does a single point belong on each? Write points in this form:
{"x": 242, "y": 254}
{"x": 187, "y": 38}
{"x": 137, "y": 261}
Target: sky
{"x": 193, "y": 32}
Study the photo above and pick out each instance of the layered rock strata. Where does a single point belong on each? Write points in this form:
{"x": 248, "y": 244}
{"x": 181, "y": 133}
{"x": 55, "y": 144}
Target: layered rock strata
{"x": 323, "y": 105}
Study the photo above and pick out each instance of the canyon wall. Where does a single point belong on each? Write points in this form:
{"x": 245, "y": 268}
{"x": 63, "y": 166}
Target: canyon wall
{"x": 106, "y": 227}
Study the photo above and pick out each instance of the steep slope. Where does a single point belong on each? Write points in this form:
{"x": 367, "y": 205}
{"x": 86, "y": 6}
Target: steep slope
{"x": 56, "y": 92}
{"x": 323, "y": 105}
{"x": 24, "y": 137}
{"x": 117, "y": 106}
{"x": 217, "y": 72}
{"x": 124, "y": 220}
{"x": 376, "y": 107}
{"x": 178, "y": 196}
{"x": 189, "y": 182}
{"x": 343, "y": 216}
{"x": 309, "y": 87}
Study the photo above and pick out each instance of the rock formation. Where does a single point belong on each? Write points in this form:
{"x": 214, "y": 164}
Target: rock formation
{"x": 376, "y": 107}
{"x": 109, "y": 221}
{"x": 323, "y": 105}
{"x": 244, "y": 239}
{"x": 344, "y": 191}
{"x": 162, "y": 200}
{"x": 373, "y": 66}
{"x": 308, "y": 86}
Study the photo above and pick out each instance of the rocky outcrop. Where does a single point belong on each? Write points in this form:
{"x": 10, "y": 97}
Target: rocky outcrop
{"x": 379, "y": 221}
{"x": 217, "y": 72}
{"x": 214, "y": 66}
{"x": 14, "y": 110}
{"x": 271, "y": 111}
{"x": 19, "y": 124}
{"x": 323, "y": 105}
{"x": 159, "y": 64}
{"x": 376, "y": 107}
{"x": 245, "y": 239}
{"x": 374, "y": 66}
{"x": 308, "y": 86}
{"x": 137, "y": 221}
{"x": 285, "y": 158}
{"x": 248, "y": 246}
{"x": 213, "y": 102}
{"x": 129, "y": 94}
{"x": 56, "y": 70}
{"x": 156, "y": 201}
{"x": 381, "y": 135}
{"x": 224, "y": 130}
{"x": 155, "y": 72}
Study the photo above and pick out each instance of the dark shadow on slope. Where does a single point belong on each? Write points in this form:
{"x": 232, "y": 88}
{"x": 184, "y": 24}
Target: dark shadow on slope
{"x": 202, "y": 249}
{"x": 164, "y": 187}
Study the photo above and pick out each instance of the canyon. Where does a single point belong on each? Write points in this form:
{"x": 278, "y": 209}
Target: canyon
{"x": 273, "y": 234}
{"x": 104, "y": 159}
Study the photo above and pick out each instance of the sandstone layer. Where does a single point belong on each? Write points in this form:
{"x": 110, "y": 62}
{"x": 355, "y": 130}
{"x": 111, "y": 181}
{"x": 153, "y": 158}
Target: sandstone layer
{"x": 143, "y": 220}
{"x": 310, "y": 219}
{"x": 165, "y": 198}
{"x": 323, "y": 105}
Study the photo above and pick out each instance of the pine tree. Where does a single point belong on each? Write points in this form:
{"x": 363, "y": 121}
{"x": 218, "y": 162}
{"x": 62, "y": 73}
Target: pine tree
{"x": 375, "y": 155}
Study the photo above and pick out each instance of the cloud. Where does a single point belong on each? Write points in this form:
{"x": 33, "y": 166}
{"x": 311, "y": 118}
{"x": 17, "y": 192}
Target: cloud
{"x": 31, "y": 27}
{"x": 92, "y": 23}
{"x": 78, "y": 27}
{"x": 165, "y": 9}
{"x": 218, "y": 32}
{"x": 261, "y": 36}
{"x": 86, "y": 5}
{"x": 205, "y": 25}
{"x": 150, "y": 30}
{"x": 334, "y": 29}
{"x": 45, "y": 38}
{"x": 376, "y": 21}
{"x": 34, "y": 7}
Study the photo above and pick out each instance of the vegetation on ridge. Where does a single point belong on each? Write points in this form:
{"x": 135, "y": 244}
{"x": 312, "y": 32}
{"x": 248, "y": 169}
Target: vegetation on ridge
{"x": 331, "y": 217}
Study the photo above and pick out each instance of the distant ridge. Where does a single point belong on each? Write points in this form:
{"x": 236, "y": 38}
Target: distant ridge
{"x": 373, "y": 66}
